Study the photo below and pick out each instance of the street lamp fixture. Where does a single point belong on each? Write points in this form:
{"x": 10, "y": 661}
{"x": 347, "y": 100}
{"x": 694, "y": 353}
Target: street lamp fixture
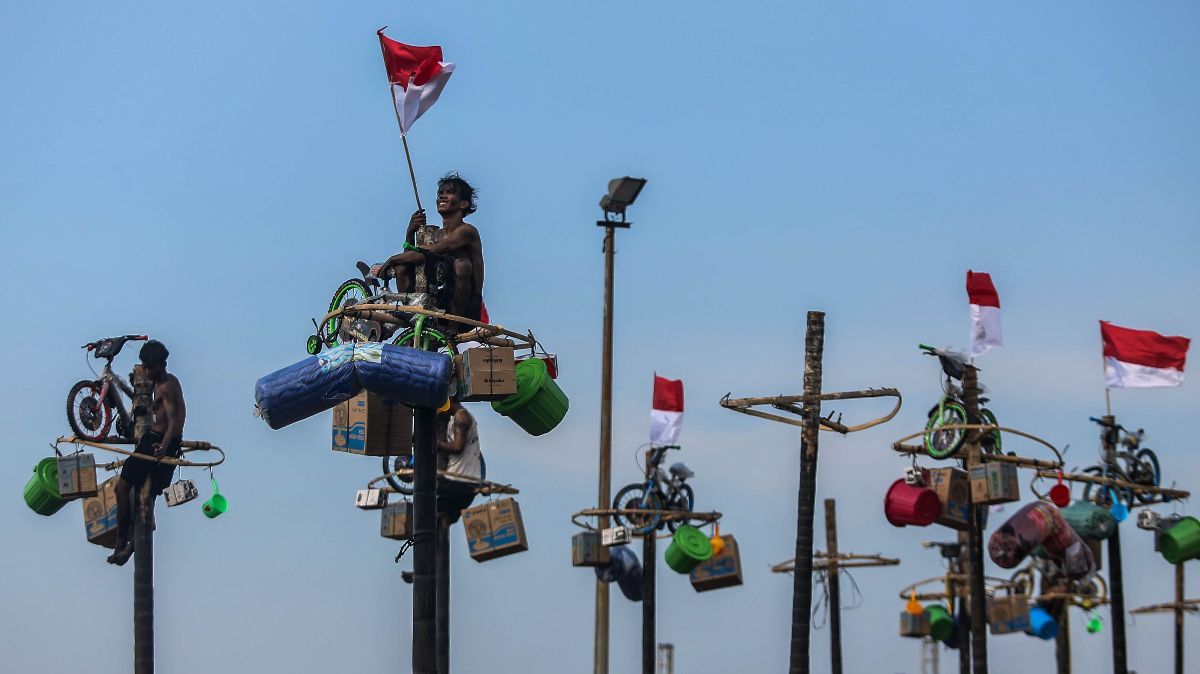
{"x": 622, "y": 192}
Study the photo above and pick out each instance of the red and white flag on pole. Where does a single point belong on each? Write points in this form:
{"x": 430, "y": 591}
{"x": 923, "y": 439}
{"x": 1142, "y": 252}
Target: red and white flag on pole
{"x": 417, "y": 76}
{"x": 666, "y": 415}
{"x": 985, "y": 313}
{"x": 1141, "y": 358}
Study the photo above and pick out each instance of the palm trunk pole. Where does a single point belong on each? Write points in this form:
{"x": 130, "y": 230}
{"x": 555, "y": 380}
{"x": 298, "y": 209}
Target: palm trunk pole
{"x": 835, "y": 589}
{"x": 649, "y": 643}
{"x": 424, "y": 640}
{"x": 1116, "y": 583}
{"x": 979, "y": 664}
{"x": 443, "y": 595}
{"x": 814, "y": 346}
{"x": 143, "y": 538}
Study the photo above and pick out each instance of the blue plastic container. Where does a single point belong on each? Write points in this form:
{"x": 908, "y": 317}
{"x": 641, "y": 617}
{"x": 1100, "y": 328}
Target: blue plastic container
{"x": 1041, "y": 624}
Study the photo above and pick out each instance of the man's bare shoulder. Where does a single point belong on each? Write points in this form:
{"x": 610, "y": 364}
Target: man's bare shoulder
{"x": 172, "y": 386}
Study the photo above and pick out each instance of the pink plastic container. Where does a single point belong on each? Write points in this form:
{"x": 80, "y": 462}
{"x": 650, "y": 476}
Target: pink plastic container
{"x": 906, "y": 505}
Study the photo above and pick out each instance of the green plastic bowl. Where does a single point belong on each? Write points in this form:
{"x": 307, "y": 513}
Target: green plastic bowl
{"x": 689, "y": 548}
{"x": 539, "y": 404}
{"x": 1181, "y": 542}
{"x": 41, "y": 492}
{"x": 941, "y": 625}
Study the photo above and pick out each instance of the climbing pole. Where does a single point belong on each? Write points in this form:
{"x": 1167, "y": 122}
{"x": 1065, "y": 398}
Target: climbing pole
{"x": 1178, "y": 607}
{"x": 806, "y": 409}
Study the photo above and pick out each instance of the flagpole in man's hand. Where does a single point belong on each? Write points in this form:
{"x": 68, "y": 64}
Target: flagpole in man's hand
{"x": 416, "y": 76}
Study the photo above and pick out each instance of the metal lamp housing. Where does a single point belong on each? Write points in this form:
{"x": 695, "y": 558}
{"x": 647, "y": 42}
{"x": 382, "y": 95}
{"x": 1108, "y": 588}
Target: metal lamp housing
{"x": 622, "y": 192}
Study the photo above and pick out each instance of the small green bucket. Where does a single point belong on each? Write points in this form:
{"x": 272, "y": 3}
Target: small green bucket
{"x": 688, "y": 549}
{"x": 217, "y": 504}
{"x": 941, "y": 625}
{"x": 1181, "y": 542}
{"x": 539, "y": 404}
{"x": 41, "y": 492}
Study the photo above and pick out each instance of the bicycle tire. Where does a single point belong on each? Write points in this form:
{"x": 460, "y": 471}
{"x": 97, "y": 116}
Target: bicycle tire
{"x": 1122, "y": 495}
{"x": 95, "y": 416}
{"x": 404, "y": 487}
{"x": 992, "y": 441}
{"x": 1147, "y": 460}
{"x": 633, "y": 497}
{"x": 689, "y": 498}
{"x": 943, "y": 444}
{"x": 340, "y": 296}
{"x": 429, "y": 338}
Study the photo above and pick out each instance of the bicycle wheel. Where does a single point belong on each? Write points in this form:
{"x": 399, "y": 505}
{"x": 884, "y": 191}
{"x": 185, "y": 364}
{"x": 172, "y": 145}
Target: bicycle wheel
{"x": 1146, "y": 471}
{"x": 1106, "y": 496}
{"x": 942, "y": 444}
{"x": 350, "y": 292}
{"x": 430, "y": 340}
{"x": 685, "y": 500}
{"x": 991, "y": 441}
{"x": 633, "y": 497}
{"x": 89, "y": 416}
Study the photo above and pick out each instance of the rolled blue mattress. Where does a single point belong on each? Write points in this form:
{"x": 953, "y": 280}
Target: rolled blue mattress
{"x": 318, "y": 383}
{"x": 418, "y": 378}
{"x": 303, "y": 389}
{"x": 625, "y": 569}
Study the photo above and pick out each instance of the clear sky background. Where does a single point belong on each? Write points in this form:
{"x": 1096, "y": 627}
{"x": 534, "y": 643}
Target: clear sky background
{"x": 209, "y": 173}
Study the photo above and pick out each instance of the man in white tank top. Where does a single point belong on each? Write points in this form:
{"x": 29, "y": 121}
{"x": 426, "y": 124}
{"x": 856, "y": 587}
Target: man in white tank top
{"x": 459, "y": 457}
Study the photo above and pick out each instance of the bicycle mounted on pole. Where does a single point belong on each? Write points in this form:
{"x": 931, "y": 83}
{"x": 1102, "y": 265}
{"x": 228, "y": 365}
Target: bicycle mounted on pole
{"x": 91, "y": 403}
{"x": 662, "y": 490}
{"x": 1127, "y": 460}
{"x": 950, "y": 410}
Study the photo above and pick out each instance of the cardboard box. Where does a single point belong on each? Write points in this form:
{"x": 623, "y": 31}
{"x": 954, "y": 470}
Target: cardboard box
{"x": 181, "y": 492}
{"x": 1008, "y": 613}
{"x": 486, "y": 373}
{"x": 370, "y": 499}
{"x": 77, "y": 476}
{"x": 993, "y": 483}
{"x": 396, "y": 521}
{"x": 914, "y": 625}
{"x": 494, "y": 529}
{"x": 723, "y": 570}
{"x": 617, "y": 535}
{"x": 586, "y": 550}
{"x": 954, "y": 489}
{"x": 372, "y": 426}
{"x": 100, "y": 515}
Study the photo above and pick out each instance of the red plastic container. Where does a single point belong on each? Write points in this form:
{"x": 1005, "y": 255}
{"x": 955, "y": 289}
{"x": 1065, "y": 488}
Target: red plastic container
{"x": 905, "y": 505}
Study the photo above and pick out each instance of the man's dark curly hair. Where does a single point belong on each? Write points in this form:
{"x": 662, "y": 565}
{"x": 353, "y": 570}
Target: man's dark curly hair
{"x": 154, "y": 353}
{"x": 461, "y": 188}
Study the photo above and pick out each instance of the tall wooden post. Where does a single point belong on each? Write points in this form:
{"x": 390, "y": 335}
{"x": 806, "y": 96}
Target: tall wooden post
{"x": 1062, "y": 640}
{"x": 959, "y": 566}
{"x": 835, "y": 589}
{"x": 814, "y": 347}
{"x": 1179, "y": 618}
{"x": 649, "y": 638}
{"x": 975, "y": 528}
{"x": 424, "y": 640}
{"x": 442, "y": 600}
{"x": 143, "y": 536}
{"x": 1116, "y": 584}
{"x": 604, "y": 498}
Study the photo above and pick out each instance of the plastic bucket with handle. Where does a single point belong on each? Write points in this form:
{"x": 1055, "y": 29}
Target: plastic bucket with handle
{"x": 907, "y": 504}
{"x": 539, "y": 404}
{"x": 688, "y": 549}
{"x": 217, "y": 504}
{"x": 1041, "y": 624}
{"x": 941, "y": 625}
{"x": 41, "y": 492}
{"x": 1181, "y": 542}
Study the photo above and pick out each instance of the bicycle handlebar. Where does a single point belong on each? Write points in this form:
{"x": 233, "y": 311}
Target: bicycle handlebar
{"x": 90, "y": 346}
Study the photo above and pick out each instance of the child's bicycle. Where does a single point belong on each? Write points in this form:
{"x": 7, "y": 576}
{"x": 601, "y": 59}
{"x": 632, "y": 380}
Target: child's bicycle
{"x": 415, "y": 329}
{"x": 1127, "y": 461}
{"x": 92, "y": 402}
{"x": 950, "y": 411}
{"x": 662, "y": 490}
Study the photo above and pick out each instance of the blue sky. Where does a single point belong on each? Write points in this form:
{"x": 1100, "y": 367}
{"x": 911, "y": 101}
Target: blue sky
{"x": 209, "y": 173}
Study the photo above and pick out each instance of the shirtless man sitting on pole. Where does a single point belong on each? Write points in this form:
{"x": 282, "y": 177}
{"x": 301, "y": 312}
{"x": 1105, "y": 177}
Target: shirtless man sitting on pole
{"x": 162, "y": 440}
{"x": 460, "y": 240}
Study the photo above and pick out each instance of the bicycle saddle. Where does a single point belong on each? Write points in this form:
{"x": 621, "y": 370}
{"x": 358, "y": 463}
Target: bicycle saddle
{"x": 681, "y": 471}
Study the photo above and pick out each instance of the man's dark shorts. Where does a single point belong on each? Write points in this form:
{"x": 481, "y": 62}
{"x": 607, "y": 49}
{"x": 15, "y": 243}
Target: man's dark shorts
{"x": 453, "y": 497}
{"x": 135, "y": 471}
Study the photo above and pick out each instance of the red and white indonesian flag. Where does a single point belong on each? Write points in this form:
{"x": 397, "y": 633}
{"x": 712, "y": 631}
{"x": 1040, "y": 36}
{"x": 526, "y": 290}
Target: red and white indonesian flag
{"x": 666, "y": 415}
{"x": 1141, "y": 358}
{"x": 417, "y": 76}
{"x": 985, "y": 313}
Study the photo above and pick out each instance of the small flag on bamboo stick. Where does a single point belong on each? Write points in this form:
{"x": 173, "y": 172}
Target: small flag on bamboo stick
{"x": 1141, "y": 358}
{"x": 666, "y": 414}
{"x": 417, "y": 76}
{"x": 985, "y": 313}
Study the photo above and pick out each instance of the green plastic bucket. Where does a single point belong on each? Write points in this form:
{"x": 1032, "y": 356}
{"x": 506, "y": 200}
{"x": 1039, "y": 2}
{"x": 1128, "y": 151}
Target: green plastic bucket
{"x": 941, "y": 625}
{"x": 1181, "y": 542}
{"x": 41, "y": 492}
{"x": 217, "y": 504}
{"x": 539, "y": 404}
{"x": 688, "y": 549}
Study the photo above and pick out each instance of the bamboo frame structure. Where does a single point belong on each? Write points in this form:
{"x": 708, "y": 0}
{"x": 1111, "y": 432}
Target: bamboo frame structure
{"x": 186, "y": 445}
{"x": 482, "y": 487}
{"x": 666, "y": 515}
{"x": 1187, "y": 606}
{"x": 843, "y": 560}
{"x": 789, "y": 403}
{"x": 1022, "y": 461}
{"x": 386, "y": 313}
{"x": 1169, "y": 493}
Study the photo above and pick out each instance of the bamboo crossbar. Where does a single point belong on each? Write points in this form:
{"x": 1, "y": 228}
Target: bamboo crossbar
{"x": 666, "y": 515}
{"x": 1120, "y": 484}
{"x": 1188, "y": 605}
{"x": 186, "y": 446}
{"x": 822, "y": 560}
{"x": 902, "y": 448}
{"x": 996, "y": 584}
{"x": 384, "y": 314}
{"x": 483, "y": 487}
{"x": 788, "y": 404}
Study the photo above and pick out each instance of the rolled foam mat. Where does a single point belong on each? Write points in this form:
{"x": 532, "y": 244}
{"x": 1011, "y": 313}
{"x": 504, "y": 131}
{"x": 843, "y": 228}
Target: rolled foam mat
{"x": 419, "y": 378}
